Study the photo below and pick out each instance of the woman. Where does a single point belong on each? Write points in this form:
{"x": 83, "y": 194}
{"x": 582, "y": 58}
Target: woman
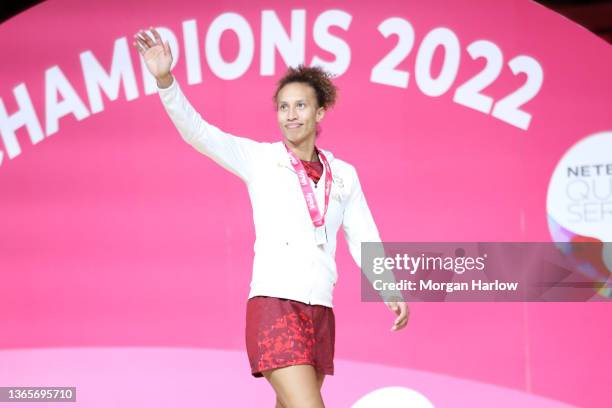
{"x": 301, "y": 195}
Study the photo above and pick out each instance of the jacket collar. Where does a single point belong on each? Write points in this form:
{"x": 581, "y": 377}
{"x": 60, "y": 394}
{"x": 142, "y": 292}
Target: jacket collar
{"x": 283, "y": 157}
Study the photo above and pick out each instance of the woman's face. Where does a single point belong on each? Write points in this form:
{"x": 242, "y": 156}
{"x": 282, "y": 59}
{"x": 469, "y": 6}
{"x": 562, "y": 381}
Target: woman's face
{"x": 297, "y": 112}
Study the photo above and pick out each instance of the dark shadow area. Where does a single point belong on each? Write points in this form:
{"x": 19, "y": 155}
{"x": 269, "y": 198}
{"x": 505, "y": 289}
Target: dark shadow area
{"x": 594, "y": 15}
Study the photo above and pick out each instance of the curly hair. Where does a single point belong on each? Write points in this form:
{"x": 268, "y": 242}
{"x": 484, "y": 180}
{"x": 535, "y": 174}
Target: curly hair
{"x": 317, "y": 78}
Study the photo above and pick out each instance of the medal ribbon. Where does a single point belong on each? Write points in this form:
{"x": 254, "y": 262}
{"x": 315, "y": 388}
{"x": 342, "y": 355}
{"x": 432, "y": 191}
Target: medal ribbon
{"x": 318, "y": 219}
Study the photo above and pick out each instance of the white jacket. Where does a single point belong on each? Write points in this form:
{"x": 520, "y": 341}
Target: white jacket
{"x": 288, "y": 263}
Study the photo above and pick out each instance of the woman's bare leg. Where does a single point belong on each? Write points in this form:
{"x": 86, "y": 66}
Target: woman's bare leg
{"x": 296, "y": 386}
{"x": 320, "y": 379}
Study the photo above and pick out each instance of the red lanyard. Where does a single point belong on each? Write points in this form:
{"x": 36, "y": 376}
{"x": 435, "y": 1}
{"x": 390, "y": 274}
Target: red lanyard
{"x": 318, "y": 219}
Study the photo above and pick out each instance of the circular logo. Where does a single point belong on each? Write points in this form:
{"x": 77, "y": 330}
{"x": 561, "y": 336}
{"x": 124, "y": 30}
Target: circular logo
{"x": 580, "y": 190}
{"x": 579, "y": 200}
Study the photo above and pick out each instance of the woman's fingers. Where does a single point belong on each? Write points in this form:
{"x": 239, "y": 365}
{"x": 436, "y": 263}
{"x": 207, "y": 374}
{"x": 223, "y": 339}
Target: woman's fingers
{"x": 138, "y": 48}
{"x": 141, "y": 45}
{"x": 145, "y": 37}
{"x": 399, "y": 324}
{"x": 402, "y": 320}
{"x": 158, "y": 39}
{"x": 144, "y": 41}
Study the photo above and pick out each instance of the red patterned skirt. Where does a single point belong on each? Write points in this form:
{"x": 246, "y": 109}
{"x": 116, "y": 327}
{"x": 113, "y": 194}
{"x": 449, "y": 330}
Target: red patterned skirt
{"x": 284, "y": 332}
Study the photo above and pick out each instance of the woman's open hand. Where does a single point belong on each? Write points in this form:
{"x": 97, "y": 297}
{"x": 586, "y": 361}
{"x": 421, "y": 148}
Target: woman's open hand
{"x": 156, "y": 54}
{"x": 402, "y": 312}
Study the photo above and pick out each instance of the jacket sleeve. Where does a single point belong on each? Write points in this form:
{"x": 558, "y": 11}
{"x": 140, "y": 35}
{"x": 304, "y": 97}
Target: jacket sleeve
{"x": 359, "y": 227}
{"x": 358, "y": 223}
{"x": 236, "y": 154}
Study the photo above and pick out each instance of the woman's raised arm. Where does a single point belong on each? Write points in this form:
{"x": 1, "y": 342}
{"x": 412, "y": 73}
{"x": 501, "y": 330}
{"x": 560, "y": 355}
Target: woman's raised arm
{"x": 236, "y": 154}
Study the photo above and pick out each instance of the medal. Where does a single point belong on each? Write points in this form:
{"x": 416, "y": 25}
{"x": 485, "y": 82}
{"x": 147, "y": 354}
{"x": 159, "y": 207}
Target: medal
{"x": 321, "y": 235}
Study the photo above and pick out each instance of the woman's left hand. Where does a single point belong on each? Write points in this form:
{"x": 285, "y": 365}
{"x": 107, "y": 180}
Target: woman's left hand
{"x": 402, "y": 312}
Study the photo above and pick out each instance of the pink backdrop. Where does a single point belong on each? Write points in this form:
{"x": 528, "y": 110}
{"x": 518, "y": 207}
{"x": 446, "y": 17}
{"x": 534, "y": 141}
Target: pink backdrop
{"x": 115, "y": 233}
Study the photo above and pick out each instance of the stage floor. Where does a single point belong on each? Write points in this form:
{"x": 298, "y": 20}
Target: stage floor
{"x": 173, "y": 377}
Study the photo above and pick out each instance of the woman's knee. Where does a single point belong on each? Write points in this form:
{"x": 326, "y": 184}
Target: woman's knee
{"x": 296, "y": 386}
{"x": 305, "y": 402}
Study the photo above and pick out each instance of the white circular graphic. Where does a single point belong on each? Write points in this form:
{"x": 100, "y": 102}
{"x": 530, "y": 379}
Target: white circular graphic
{"x": 393, "y": 397}
{"x": 579, "y": 201}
